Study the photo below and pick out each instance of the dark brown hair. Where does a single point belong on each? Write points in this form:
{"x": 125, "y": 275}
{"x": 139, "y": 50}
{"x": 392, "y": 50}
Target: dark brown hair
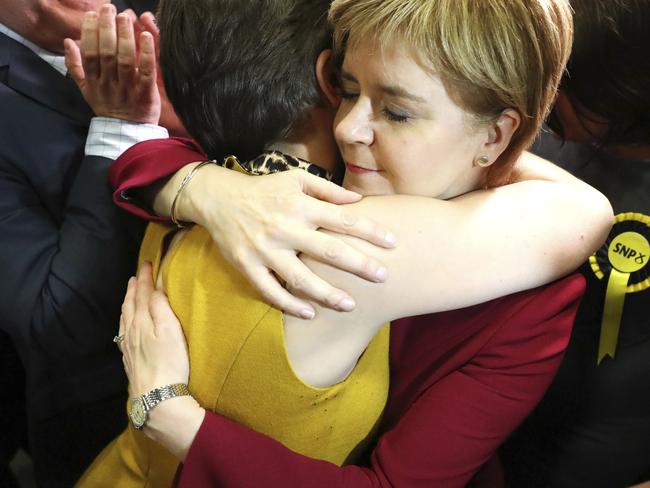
{"x": 241, "y": 73}
{"x": 609, "y": 70}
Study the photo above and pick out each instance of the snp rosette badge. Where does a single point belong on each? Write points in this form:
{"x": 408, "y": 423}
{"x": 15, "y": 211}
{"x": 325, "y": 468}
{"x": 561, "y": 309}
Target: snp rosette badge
{"x": 623, "y": 261}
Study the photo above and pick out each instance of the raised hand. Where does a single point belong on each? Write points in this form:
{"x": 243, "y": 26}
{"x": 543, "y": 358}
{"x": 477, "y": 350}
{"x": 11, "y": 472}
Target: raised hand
{"x": 116, "y": 79}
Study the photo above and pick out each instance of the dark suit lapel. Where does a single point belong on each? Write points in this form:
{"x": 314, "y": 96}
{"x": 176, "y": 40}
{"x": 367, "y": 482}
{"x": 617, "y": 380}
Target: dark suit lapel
{"x": 24, "y": 72}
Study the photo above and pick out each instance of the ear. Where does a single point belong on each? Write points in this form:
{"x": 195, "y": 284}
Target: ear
{"x": 499, "y": 134}
{"x": 327, "y": 78}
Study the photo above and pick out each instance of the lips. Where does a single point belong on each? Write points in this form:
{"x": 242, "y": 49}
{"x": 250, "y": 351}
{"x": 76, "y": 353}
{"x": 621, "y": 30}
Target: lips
{"x": 353, "y": 168}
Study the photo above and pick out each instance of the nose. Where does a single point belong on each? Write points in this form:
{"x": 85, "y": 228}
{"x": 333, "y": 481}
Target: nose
{"x": 353, "y": 126}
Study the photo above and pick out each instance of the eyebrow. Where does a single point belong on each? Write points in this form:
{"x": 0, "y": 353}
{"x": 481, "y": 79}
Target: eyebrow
{"x": 392, "y": 90}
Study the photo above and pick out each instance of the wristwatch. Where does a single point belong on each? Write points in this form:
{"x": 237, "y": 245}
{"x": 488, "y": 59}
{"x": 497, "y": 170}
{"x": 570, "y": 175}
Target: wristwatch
{"x": 141, "y": 405}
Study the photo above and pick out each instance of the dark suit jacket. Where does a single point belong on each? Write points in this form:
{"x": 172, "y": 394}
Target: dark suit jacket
{"x": 65, "y": 250}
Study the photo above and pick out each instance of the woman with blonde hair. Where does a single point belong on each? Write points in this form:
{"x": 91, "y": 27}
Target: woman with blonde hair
{"x": 430, "y": 108}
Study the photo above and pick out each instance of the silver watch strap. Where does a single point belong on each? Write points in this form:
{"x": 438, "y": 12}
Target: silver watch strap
{"x": 157, "y": 395}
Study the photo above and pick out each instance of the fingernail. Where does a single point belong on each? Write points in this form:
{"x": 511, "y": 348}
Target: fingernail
{"x": 381, "y": 274}
{"x": 307, "y": 313}
{"x": 390, "y": 238}
{"x": 346, "y": 305}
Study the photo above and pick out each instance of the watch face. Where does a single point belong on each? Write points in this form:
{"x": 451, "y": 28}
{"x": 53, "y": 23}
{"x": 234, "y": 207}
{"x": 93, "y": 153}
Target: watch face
{"x": 138, "y": 413}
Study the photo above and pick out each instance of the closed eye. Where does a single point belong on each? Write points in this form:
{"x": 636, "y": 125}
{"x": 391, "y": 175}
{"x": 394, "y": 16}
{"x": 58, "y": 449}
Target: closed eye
{"x": 348, "y": 95}
{"x": 396, "y": 117}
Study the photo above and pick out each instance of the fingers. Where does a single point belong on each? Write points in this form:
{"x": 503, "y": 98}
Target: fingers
{"x": 148, "y": 21}
{"x": 154, "y": 352}
{"x": 322, "y": 189}
{"x": 273, "y": 293}
{"x": 73, "y": 62}
{"x": 107, "y": 43}
{"x": 331, "y": 250}
{"x": 128, "y": 307}
{"x": 144, "y": 288}
{"x": 340, "y": 219}
{"x": 345, "y": 221}
{"x": 164, "y": 319}
{"x": 90, "y": 45}
{"x": 126, "y": 319}
{"x": 114, "y": 79}
{"x": 142, "y": 324}
{"x": 126, "y": 52}
{"x": 147, "y": 64}
{"x": 148, "y": 24}
{"x": 168, "y": 343}
{"x": 109, "y": 48}
{"x": 301, "y": 280}
{"x": 130, "y": 13}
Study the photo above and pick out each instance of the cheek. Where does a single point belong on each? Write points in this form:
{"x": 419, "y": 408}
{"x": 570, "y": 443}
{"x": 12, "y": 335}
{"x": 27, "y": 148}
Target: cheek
{"x": 435, "y": 165}
{"x": 407, "y": 165}
{"x": 418, "y": 154}
{"x": 405, "y": 152}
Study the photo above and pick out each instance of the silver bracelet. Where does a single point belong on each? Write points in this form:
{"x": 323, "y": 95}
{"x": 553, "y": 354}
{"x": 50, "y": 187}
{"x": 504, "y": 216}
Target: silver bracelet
{"x": 186, "y": 180}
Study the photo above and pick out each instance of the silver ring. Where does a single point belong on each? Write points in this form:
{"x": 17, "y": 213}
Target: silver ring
{"x": 118, "y": 339}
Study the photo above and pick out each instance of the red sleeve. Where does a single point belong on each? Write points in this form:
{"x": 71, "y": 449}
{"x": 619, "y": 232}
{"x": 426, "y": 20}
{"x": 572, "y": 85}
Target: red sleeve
{"x": 456, "y": 426}
{"x": 227, "y": 454}
{"x": 443, "y": 437}
{"x": 145, "y": 163}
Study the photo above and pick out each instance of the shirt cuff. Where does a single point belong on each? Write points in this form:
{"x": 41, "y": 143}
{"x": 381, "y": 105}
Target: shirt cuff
{"x": 109, "y": 137}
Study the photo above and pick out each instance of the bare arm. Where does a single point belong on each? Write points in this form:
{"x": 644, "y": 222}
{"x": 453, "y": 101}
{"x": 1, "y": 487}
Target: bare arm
{"x": 479, "y": 246}
{"x": 451, "y": 254}
{"x": 543, "y": 215}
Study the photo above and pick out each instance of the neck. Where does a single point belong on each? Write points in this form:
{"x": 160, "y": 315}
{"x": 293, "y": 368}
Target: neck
{"x": 315, "y": 142}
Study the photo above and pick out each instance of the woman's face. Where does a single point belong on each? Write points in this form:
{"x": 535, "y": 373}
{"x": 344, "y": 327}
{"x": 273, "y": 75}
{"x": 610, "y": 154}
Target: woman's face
{"x": 399, "y": 132}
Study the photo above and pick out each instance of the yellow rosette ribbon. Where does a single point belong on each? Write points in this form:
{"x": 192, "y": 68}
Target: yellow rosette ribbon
{"x": 624, "y": 259}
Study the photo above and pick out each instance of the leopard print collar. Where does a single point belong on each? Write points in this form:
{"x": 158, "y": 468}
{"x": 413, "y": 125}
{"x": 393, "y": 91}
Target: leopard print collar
{"x": 273, "y": 162}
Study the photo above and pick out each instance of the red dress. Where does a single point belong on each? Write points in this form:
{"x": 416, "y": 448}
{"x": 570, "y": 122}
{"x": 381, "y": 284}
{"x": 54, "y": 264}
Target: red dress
{"x": 461, "y": 381}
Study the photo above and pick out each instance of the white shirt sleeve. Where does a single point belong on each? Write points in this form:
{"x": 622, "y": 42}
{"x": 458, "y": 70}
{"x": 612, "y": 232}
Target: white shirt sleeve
{"x": 109, "y": 137}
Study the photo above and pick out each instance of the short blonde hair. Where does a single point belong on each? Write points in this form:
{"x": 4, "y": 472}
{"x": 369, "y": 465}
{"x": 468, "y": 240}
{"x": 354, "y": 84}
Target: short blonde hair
{"x": 491, "y": 55}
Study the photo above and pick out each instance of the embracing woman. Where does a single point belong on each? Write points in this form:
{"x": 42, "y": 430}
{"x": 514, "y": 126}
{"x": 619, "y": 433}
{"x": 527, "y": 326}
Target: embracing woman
{"x": 435, "y": 100}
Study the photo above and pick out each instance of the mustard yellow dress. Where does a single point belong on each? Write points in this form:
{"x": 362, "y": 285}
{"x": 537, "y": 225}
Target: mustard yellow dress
{"x": 239, "y": 368}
